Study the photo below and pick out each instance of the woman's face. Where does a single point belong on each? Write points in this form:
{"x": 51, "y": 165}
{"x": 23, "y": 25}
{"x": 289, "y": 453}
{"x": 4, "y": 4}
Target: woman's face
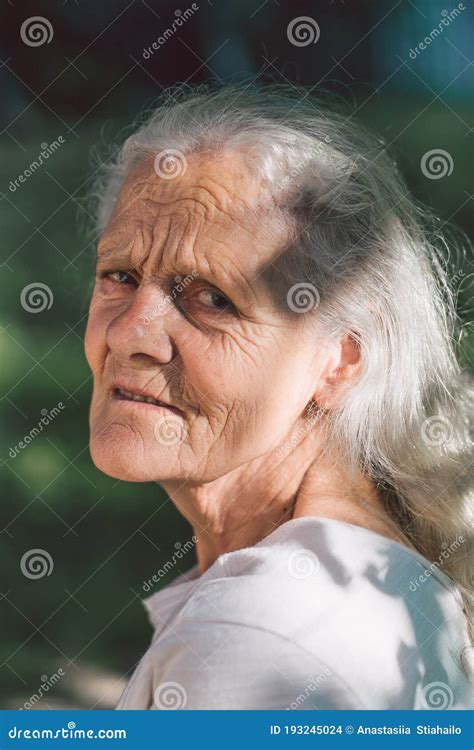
{"x": 185, "y": 311}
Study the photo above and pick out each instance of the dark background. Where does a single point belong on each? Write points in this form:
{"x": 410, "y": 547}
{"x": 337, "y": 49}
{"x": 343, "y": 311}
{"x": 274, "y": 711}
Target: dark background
{"x": 91, "y": 80}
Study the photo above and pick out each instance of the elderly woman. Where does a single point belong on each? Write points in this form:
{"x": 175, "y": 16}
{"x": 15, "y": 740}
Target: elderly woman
{"x": 271, "y": 340}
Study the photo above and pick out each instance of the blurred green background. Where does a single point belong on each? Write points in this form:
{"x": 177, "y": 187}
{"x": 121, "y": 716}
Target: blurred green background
{"x": 84, "y": 620}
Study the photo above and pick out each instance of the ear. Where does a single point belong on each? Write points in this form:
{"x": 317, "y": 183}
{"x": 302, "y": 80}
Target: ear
{"x": 341, "y": 370}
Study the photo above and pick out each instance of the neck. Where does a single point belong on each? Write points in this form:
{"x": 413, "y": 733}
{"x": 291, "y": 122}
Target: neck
{"x": 242, "y": 507}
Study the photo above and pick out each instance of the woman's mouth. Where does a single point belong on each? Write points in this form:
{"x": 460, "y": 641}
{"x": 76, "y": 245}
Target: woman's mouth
{"x": 119, "y": 394}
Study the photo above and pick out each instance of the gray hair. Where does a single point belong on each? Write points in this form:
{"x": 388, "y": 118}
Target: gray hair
{"x": 370, "y": 254}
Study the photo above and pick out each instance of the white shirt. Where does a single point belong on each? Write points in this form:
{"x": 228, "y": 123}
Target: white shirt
{"x": 320, "y": 614}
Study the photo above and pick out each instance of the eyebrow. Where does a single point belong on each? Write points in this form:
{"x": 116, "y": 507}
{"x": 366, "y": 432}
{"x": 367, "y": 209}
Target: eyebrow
{"x": 117, "y": 257}
{"x": 113, "y": 255}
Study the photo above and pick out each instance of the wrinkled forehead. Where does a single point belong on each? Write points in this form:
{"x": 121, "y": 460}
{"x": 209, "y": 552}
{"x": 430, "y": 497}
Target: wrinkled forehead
{"x": 224, "y": 190}
{"x": 215, "y": 210}
{"x": 216, "y": 184}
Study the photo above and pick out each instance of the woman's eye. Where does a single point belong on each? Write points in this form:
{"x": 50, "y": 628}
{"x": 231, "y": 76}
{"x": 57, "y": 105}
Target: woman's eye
{"x": 121, "y": 277}
{"x": 215, "y": 300}
{"x": 116, "y": 282}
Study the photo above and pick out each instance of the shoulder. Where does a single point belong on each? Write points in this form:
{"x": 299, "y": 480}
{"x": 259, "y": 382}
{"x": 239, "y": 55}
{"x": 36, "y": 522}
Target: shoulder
{"x": 334, "y": 603}
{"x": 318, "y": 575}
{"x": 227, "y": 665}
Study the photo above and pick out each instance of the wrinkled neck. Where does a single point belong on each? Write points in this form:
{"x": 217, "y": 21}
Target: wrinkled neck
{"x": 242, "y": 507}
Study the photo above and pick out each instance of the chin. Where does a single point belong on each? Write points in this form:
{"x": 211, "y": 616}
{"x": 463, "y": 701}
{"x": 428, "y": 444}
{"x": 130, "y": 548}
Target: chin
{"x": 126, "y": 457}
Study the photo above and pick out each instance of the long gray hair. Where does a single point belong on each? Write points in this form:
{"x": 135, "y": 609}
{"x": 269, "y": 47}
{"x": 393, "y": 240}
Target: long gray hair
{"x": 367, "y": 251}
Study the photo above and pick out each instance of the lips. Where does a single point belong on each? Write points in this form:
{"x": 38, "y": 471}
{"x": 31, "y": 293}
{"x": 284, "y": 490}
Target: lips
{"x": 139, "y": 396}
{"x": 129, "y": 396}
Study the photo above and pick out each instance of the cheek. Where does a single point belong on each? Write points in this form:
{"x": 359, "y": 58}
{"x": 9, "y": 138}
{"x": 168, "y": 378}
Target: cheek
{"x": 217, "y": 368}
{"x": 246, "y": 383}
{"x": 95, "y": 338}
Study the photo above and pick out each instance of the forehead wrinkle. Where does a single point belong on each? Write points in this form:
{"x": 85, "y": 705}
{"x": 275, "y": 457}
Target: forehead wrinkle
{"x": 236, "y": 186}
{"x": 227, "y": 185}
{"x": 154, "y": 190}
{"x": 181, "y": 206}
{"x": 183, "y": 249}
{"x": 181, "y": 225}
{"x": 251, "y": 194}
{"x": 172, "y": 229}
{"x": 196, "y": 247}
{"x": 160, "y": 225}
{"x": 187, "y": 247}
{"x": 141, "y": 246}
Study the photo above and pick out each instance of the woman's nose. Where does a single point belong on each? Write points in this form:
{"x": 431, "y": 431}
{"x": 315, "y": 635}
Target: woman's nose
{"x": 142, "y": 332}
